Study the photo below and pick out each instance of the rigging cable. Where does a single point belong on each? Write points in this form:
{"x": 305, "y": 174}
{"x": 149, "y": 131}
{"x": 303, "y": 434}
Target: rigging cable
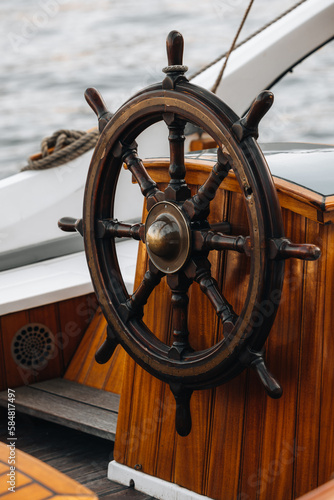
{"x": 257, "y": 32}
{"x": 220, "y": 75}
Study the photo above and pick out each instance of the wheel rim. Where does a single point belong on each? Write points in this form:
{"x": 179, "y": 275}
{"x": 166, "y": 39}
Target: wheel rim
{"x": 140, "y": 112}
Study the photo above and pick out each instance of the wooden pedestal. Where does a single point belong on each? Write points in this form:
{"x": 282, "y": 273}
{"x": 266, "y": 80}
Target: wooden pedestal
{"x": 243, "y": 444}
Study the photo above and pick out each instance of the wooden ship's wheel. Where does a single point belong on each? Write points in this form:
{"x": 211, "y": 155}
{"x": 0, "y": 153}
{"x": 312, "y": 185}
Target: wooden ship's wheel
{"x": 179, "y": 238}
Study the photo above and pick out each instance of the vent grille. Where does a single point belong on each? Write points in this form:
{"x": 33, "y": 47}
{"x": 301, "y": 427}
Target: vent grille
{"x": 32, "y": 346}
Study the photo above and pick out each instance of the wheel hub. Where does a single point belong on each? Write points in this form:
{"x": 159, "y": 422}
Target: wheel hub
{"x": 167, "y": 237}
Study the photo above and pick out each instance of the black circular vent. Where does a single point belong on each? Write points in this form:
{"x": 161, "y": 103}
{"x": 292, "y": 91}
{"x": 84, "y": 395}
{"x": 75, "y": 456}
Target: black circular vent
{"x": 32, "y": 346}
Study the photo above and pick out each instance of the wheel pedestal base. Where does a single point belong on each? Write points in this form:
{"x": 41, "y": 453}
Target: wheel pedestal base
{"x": 158, "y": 488}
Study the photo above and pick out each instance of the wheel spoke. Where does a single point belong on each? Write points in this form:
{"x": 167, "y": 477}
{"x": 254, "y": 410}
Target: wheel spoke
{"x": 133, "y": 307}
{"x": 177, "y": 189}
{"x": 147, "y": 185}
{"x": 221, "y": 227}
{"x": 111, "y": 228}
{"x": 198, "y": 207}
{"x": 179, "y": 285}
{"x": 222, "y": 307}
{"x": 208, "y": 240}
{"x": 282, "y": 248}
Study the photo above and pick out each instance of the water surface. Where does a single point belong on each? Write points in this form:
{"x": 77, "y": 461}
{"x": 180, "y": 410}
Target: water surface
{"x": 52, "y": 50}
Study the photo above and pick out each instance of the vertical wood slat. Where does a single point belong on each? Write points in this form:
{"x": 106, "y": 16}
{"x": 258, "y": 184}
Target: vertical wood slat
{"x": 250, "y": 456}
{"x": 204, "y": 330}
{"x": 3, "y": 378}
{"x": 137, "y": 440}
{"x": 83, "y": 368}
{"x": 15, "y": 375}
{"x": 80, "y": 357}
{"x": 47, "y": 315}
{"x": 326, "y": 434}
{"x": 194, "y": 449}
{"x": 248, "y": 428}
{"x": 74, "y": 317}
{"x": 225, "y": 442}
{"x": 278, "y": 451}
{"x": 310, "y": 371}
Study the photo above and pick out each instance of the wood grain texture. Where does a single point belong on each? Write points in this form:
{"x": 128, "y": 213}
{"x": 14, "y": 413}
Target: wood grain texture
{"x": 292, "y": 196}
{"x": 74, "y": 316}
{"x": 243, "y": 444}
{"x": 40, "y": 481}
{"x": 85, "y": 370}
{"x": 3, "y": 379}
{"x": 310, "y": 372}
{"x": 326, "y": 434}
{"x": 324, "y": 492}
{"x": 67, "y": 321}
{"x": 139, "y": 437}
{"x": 42, "y": 402}
{"x": 80, "y": 393}
{"x": 47, "y": 315}
{"x": 275, "y": 473}
{"x": 15, "y": 375}
{"x": 204, "y": 331}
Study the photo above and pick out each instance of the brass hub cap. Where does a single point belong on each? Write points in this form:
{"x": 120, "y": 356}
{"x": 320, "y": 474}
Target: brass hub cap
{"x": 167, "y": 237}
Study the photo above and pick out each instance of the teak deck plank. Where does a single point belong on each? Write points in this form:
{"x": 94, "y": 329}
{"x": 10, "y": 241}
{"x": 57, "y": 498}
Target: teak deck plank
{"x": 79, "y": 456}
{"x": 48, "y": 401}
{"x": 40, "y": 481}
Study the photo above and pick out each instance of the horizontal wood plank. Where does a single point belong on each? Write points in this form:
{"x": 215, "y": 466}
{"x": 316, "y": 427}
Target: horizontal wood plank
{"x": 80, "y": 393}
{"x": 78, "y": 415}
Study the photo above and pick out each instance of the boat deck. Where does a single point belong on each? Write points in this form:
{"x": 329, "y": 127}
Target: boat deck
{"x": 80, "y": 456}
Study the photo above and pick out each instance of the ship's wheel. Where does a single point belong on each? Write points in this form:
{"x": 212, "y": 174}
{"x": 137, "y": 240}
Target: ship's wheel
{"x": 179, "y": 238}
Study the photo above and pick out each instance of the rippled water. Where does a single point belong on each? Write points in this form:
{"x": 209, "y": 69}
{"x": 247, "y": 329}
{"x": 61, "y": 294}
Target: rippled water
{"x": 52, "y": 50}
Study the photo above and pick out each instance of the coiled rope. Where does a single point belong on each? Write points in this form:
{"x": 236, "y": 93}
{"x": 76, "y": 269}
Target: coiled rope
{"x": 61, "y": 147}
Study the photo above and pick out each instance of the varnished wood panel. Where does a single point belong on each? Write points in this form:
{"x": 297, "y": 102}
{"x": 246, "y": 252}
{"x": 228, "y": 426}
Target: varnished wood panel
{"x": 15, "y": 375}
{"x": 326, "y": 435}
{"x": 275, "y": 474}
{"x": 138, "y": 435}
{"x": 47, "y": 315}
{"x": 74, "y": 316}
{"x": 204, "y": 331}
{"x": 310, "y": 371}
{"x": 243, "y": 444}
{"x": 292, "y": 196}
{"x": 3, "y": 380}
{"x": 84, "y": 353}
{"x": 83, "y": 367}
{"x": 67, "y": 320}
{"x": 324, "y": 492}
